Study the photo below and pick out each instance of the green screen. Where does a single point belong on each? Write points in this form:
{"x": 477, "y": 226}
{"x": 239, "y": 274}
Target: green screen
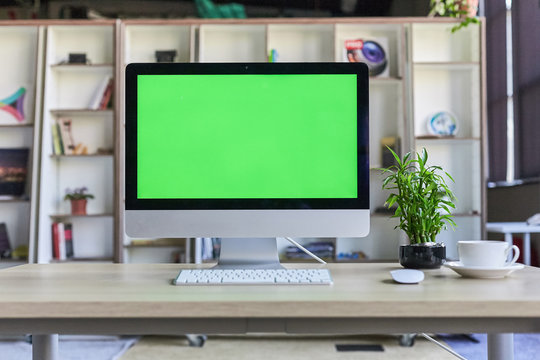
{"x": 246, "y": 136}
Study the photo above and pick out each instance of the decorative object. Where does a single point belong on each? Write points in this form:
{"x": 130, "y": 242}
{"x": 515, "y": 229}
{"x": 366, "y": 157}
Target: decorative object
{"x": 442, "y": 123}
{"x": 77, "y": 58}
{"x": 79, "y": 199}
{"x": 371, "y": 52}
{"x": 463, "y": 9}
{"x": 165, "y": 55}
{"x": 13, "y": 172}
{"x": 423, "y": 201}
{"x": 13, "y": 104}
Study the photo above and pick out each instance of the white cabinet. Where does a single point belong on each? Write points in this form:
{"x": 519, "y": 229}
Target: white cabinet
{"x": 447, "y": 76}
{"x": 75, "y": 92}
{"x": 20, "y": 91}
{"x": 429, "y": 69}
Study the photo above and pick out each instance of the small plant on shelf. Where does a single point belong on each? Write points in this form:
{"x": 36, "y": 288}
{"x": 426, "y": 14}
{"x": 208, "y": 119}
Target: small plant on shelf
{"x": 423, "y": 201}
{"x": 463, "y": 9}
{"x": 78, "y": 198}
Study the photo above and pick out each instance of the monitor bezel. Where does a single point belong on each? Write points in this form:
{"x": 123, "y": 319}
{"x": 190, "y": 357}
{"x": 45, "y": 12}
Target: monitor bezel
{"x": 132, "y": 202}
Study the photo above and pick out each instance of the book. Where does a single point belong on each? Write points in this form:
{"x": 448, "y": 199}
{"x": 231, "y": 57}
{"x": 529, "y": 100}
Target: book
{"x": 5, "y": 247}
{"x": 107, "y": 95}
{"x": 57, "y": 146}
{"x": 98, "y": 94}
{"x": 61, "y": 242}
{"x": 66, "y": 136}
{"x": 55, "y": 241}
{"x": 68, "y": 237}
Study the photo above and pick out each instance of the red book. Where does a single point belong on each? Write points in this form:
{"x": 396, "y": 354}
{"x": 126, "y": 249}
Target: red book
{"x": 107, "y": 94}
{"x": 55, "y": 241}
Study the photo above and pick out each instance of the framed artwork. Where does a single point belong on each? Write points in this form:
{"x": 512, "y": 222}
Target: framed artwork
{"x": 13, "y": 172}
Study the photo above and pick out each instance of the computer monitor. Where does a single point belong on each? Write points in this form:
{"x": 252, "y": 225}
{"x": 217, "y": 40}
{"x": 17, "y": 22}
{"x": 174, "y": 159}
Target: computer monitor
{"x": 247, "y": 151}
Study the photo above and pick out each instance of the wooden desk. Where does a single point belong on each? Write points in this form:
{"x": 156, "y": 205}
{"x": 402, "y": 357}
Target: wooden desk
{"x": 509, "y": 228}
{"x": 138, "y": 299}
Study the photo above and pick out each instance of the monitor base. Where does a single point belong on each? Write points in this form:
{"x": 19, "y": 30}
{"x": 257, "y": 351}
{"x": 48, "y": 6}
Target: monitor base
{"x": 248, "y": 253}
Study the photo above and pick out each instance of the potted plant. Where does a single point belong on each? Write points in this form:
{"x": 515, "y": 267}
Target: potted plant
{"x": 463, "y": 9}
{"x": 78, "y": 197}
{"x": 422, "y": 200}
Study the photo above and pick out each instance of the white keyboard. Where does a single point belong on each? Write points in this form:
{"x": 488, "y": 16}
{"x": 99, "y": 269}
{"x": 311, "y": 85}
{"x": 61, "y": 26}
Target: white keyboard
{"x": 254, "y": 277}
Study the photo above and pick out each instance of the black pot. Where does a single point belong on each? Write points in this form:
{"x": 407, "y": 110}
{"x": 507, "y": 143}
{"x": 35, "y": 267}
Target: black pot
{"x": 421, "y": 256}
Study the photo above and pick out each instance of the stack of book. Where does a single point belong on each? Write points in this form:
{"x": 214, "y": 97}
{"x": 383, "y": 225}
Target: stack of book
{"x": 323, "y": 249}
{"x": 103, "y": 94}
{"x": 62, "y": 240}
{"x": 63, "y": 143}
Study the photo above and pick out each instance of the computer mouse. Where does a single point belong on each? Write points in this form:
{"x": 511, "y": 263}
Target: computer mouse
{"x": 407, "y": 276}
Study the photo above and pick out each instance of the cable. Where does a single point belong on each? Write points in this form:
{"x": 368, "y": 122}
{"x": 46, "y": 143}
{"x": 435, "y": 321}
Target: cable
{"x": 443, "y": 346}
{"x": 305, "y": 250}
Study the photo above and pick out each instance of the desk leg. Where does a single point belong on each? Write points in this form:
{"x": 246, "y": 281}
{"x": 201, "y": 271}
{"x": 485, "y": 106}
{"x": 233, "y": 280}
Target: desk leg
{"x": 45, "y": 347}
{"x": 527, "y": 248}
{"x": 500, "y": 346}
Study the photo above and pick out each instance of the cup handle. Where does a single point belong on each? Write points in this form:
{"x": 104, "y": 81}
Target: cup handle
{"x": 516, "y": 255}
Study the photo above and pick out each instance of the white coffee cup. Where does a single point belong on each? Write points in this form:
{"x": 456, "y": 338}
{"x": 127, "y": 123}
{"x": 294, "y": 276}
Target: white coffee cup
{"x": 486, "y": 253}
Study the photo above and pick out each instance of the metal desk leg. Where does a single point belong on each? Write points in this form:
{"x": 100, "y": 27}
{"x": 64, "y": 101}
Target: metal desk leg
{"x": 45, "y": 347}
{"x": 500, "y": 346}
{"x": 527, "y": 248}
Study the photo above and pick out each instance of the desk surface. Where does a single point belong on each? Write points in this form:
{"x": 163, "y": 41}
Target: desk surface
{"x": 121, "y": 291}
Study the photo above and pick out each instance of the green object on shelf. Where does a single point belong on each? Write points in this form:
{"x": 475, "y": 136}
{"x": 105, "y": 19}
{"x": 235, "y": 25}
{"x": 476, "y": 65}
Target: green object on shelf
{"x": 20, "y": 252}
{"x": 207, "y": 9}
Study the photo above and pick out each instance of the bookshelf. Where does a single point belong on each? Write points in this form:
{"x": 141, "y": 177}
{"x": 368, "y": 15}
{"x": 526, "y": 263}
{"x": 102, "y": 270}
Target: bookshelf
{"x": 429, "y": 69}
{"x": 22, "y": 48}
{"x": 448, "y": 75}
{"x": 74, "y": 93}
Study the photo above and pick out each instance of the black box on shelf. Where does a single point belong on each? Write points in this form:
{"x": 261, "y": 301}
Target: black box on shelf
{"x": 77, "y": 58}
{"x": 165, "y": 55}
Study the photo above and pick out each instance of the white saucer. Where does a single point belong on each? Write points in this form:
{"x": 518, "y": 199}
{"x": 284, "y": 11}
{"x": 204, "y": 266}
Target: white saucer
{"x": 482, "y": 272}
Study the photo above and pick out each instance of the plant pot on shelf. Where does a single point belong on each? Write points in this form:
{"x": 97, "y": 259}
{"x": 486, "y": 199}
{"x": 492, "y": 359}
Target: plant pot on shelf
{"x": 422, "y": 256}
{"x": 78, "y": 206}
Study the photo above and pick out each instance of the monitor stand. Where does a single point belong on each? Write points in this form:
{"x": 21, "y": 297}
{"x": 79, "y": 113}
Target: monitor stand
{"x": 248, "y": 253}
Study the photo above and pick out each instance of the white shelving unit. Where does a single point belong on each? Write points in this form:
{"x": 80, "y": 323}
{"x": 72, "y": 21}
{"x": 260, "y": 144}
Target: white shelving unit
{"x": 447, "y": 76}
{"x": 141, "y": 39}
{"x": 430, "y": 69}
{"x": 232, "y": 43}
{"x": 302, "y": 42}
{"x": 69, "y": 90}
{"x": 22, "y": 47}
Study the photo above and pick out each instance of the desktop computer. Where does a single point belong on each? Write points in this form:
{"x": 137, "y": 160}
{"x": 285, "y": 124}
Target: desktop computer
{"x": 247, "y": 152}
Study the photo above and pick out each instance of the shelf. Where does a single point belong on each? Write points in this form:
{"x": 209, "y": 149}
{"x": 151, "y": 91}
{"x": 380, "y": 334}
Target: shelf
{"x": 449, "y": 65}
{"x": 81, "y": 67}
{"x": 81, "y": 156}
{"x": 61, "y": 216}
{"x": 24, "y": 125}
{"x": 385, "y": 80}
{"x": 157, "y": 246}
{"x": 445, "y": 138}
{"x": 89, "y": 259}
{"x": 14, "y": 200}
{"x": 81, "y": 112}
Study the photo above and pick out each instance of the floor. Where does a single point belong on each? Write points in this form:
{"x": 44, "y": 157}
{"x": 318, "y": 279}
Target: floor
{"x": 254, "y": 347}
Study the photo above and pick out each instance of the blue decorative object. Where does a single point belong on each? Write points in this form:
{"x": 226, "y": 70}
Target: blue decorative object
{"x": 442, "y": 123}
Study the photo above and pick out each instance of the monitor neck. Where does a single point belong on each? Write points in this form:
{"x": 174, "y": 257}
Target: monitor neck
{"x": 248, "y": 253}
